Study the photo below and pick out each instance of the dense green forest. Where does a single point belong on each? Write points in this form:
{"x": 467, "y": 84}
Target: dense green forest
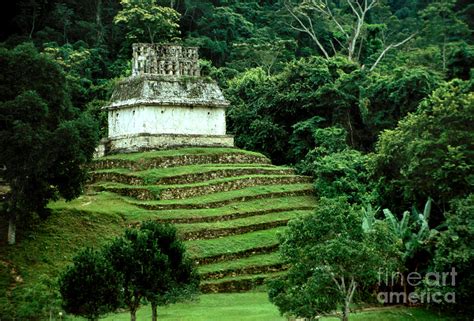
{"x": 374, "y": 99}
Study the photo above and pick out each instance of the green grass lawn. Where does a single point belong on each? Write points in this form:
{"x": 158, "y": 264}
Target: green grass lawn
{"x": 219, "y": 307}
{"x": 255, "y": 306}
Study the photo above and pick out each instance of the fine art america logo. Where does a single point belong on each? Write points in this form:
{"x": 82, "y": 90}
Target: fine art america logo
{"x": 433, "y": 282}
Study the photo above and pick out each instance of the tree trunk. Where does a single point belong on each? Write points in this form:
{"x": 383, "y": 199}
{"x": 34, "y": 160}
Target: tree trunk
{"x": 345, "y": 311}
{"x": 98, "y": 21}
{"x": 133, "y": 314}
{"x": 12, "y": 230}
{"x": 154, "y": 315}
{"x": 33, "y": 24}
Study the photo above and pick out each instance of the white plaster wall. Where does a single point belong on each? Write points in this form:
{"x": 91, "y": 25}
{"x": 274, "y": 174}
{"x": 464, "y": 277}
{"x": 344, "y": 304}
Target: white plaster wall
{"x": 167, "y": 120}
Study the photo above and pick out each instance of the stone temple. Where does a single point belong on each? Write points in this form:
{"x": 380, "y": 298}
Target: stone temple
{"x": 165, "y": 103}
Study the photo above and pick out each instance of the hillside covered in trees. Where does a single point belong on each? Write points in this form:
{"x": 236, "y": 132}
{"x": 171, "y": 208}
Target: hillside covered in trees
{"x": 371, "y": 98}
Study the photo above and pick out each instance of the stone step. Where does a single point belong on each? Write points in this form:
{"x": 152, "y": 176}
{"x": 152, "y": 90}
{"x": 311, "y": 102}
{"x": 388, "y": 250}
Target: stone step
{"x": 207, "y": 234}
{"x": 247, "y": 270}
{"x": 206, "y": 175}
{"x": 179, "y": 160}
{"x": 178, "y": 192}
{"x": 236, "y": 183}
{"x": 236, "y": 255}
{"x": 231, "y": 216}
{"x": 239, "y": 284}
{"x": 214, "y": 204}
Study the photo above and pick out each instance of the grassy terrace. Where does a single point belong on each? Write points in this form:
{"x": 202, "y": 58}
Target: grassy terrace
{"x": 158, "y": 189}
{"x": 231, "y": 234}
{"x": 244, "y": 221}
{"x": 231, "y": 195}
{"x": 234, "y": 243}
{"x": 108, "y": 203}
{"x": 259, "y": 276}
{"x": 254, "y": 260}
{"x": 180, "y": 152}
{"x": 229, "y": 231}
{"x": 153, "y": 175}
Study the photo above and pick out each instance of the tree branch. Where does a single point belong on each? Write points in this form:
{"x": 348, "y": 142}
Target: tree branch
{"x": 352, "y": 289}
{"x": 330, "y": 14}
{"x": 304, "y": 28}
{"x": 354, "y": 9}
{"x": 391, "y": 46}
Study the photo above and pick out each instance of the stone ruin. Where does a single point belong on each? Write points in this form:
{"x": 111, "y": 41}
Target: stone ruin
{"x": 169, "y": 60}
{"x": 165, "y": 103}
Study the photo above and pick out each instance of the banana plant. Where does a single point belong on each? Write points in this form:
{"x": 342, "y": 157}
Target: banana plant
{"x": 368, "y": 218}
{"x": 412, "y": 229}
{"x": 401, "y": 227}
{"x": 414, "y": 232}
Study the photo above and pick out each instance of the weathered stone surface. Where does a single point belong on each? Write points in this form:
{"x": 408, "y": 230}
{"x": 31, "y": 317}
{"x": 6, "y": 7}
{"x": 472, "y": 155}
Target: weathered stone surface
{"x": 193, "y": 191}
{"x": 236, "y": 255}
{"x": 232, "y": 285}
{"x": 165, "y": 60}
{"x": 260, "y": 269}
{"x": 144, "y": 142}
{"x": 188, "y": 178}
{"x": 232, "y": 216}
{"x": 174, "y": 193}
{"x": 181, "y": 160}
{"x": 207, "y": 234}
{"x": 302, "y": 192}
{"x": 150, "y": 90}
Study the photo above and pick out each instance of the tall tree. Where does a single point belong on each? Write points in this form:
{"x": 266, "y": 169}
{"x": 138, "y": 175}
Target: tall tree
{"x": 429, "y": 153}
{"x": 344, "y": 30}
{"x": 45, "y": 141}
{"x": 442, "y": 25}
{"x": 332, "y": 260}
{"x": 145, "y": 21}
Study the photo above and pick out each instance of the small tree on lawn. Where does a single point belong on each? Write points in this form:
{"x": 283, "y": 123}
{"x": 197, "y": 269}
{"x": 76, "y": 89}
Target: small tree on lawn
{"x": 153, "y": 266}
{"x": 90, "y": 287}
{"x": 333, "y": 260}
{"x": 173, "y": 281}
